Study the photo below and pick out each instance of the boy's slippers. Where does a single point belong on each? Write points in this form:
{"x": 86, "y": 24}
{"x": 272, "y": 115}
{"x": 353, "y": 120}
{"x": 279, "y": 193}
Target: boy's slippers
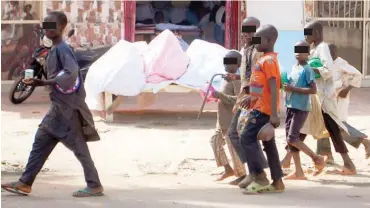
{"x": 253, "y": 189}
{"x": 270, "y": 189}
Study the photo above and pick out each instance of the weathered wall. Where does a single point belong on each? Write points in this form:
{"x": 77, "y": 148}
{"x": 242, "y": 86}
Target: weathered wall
{"x": 349, "y": 42}
{"x": 96, "y": 23}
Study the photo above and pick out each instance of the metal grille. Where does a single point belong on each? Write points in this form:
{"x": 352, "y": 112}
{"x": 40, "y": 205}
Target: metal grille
{"x": 351, "y": 12}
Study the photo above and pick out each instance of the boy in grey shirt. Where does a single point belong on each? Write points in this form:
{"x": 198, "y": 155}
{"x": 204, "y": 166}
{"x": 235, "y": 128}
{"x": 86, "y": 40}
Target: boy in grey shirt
{"x": 68, "y": 120}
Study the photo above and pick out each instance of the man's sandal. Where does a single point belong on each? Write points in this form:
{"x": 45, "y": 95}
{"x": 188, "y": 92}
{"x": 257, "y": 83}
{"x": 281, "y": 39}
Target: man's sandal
{"x": 11, "y": 187}
{"x": 86, "y": 192}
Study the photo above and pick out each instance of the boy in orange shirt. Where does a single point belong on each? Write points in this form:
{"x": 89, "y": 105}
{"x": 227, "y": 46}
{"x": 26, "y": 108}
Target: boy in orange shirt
{"x": 263, "y": 104}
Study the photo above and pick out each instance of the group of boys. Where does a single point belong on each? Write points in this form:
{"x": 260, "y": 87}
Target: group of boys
{"x": 253, "y": 95}
{"x": 250, "y": 96}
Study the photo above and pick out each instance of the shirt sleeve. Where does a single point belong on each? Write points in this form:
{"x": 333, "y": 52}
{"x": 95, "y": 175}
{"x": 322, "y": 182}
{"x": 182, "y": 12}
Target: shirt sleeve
{"x": 327, "y": 62}
{"x": 228, "y": 95}
{"x": 69, "y": 67}
{"x": 270, "y": 68}
{"x": 310, "y": 75}
{"x": 355, "y": 76}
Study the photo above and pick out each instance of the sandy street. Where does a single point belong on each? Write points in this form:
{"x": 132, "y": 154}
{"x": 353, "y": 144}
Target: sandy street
{"x": 164, "y": 160}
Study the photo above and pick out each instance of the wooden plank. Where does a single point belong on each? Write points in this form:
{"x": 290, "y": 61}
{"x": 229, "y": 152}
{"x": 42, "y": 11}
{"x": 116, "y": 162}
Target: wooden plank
{"x": 110, "y": 106}
{"x": 108, "y": 99}
{"x": 173, "y": 88}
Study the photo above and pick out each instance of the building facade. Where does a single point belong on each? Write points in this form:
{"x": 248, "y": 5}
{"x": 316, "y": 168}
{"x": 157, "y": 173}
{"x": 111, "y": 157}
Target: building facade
{"x": 96, "y": 23}
{"x": 100, "y": 23}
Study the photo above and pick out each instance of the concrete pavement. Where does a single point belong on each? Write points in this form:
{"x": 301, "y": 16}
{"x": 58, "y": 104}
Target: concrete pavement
{"x": 164, "y": 160}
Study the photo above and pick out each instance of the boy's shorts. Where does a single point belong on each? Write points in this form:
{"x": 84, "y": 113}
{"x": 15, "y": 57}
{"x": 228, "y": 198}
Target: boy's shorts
{"x": 294, "y": 122}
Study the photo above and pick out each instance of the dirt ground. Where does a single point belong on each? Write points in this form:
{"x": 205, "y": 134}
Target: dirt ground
{"x": 164, "y": 160}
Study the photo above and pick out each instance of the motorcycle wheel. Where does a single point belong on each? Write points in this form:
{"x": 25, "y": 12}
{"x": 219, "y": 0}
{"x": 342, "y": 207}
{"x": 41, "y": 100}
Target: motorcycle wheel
{"x": 25, "y": 91}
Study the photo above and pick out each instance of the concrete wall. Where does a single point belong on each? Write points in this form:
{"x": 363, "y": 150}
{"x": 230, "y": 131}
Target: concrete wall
{"x": 289, "y": 20}
{"x": 287, "y": 17}
{"x": 349, "y": 42}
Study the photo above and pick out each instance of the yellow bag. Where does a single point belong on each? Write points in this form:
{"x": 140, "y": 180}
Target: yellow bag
{"x": 314, "y": 124}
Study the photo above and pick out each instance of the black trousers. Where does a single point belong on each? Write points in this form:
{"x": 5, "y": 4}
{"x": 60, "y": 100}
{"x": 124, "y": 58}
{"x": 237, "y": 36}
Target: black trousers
{"x": 251, "y": 146}
{"x": 44, "y": 145}
{"x": 334, "y": 132}
{"x": 236, "y": 142}
{"x": 234, "y": 136}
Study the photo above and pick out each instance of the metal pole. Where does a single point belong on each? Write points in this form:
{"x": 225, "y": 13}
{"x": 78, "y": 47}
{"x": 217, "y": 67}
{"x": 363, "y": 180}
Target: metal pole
{"x": 206, "y": 95}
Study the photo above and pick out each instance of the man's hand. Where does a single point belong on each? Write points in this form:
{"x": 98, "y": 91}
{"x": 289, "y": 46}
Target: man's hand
{"x": 316, "y": 71}
{"x": 34, "y": 82}
{"x": 245, "y": 102}
{"x": 288, "y": 88}
{"x": 275, "y": 121}
{"x": 343, "y": 93}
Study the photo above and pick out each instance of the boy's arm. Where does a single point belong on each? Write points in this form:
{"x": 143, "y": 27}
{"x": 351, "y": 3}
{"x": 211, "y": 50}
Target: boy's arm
{"x": 274, "y": 119}
{"x": 229, "y": 93}
{"x": 227, "y": 99}
{"x": 310, "y": 80}
{"x": 271, "y": 70}
{"x": 355, "y": 75}
{"x": 310, "y": 90}
{"x": 327, "y": 62}
{"x": 70, "y": 69}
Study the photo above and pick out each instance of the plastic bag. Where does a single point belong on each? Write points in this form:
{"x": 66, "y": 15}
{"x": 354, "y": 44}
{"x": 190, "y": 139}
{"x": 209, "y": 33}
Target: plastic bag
{"x": 203, "y": 91}
{"x": 206, "y": 59}
{"x": 315, "y": 63}
{"x": 165, "y": 59}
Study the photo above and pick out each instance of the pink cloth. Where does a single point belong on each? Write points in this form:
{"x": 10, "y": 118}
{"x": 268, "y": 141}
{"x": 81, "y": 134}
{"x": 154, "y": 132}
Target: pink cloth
{"x": 210, "y": 98}
{"x": 165, "y": 59}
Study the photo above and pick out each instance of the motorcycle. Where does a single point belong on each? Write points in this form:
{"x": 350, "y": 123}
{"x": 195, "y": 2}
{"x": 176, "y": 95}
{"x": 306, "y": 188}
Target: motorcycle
{"x": 84, "y": 58}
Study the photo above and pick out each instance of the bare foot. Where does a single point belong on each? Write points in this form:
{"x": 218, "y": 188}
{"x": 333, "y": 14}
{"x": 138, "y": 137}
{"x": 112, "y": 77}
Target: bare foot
{"x": 225, "y": 175}
{"x": 320, "y": 163}
{"x": 285, "y": 163}
{"x": 366, "y": 144}
{"x": 330, "y": 158}
{"x": 296, "y": 176}
{"x": 237, "y": 181}
{"x": 345, "y": 172}
{"x": 278, "y": 185}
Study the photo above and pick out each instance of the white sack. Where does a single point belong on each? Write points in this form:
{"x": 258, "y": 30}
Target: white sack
{"x": 206, "y": 59}
{"x": 119, "y": 71}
